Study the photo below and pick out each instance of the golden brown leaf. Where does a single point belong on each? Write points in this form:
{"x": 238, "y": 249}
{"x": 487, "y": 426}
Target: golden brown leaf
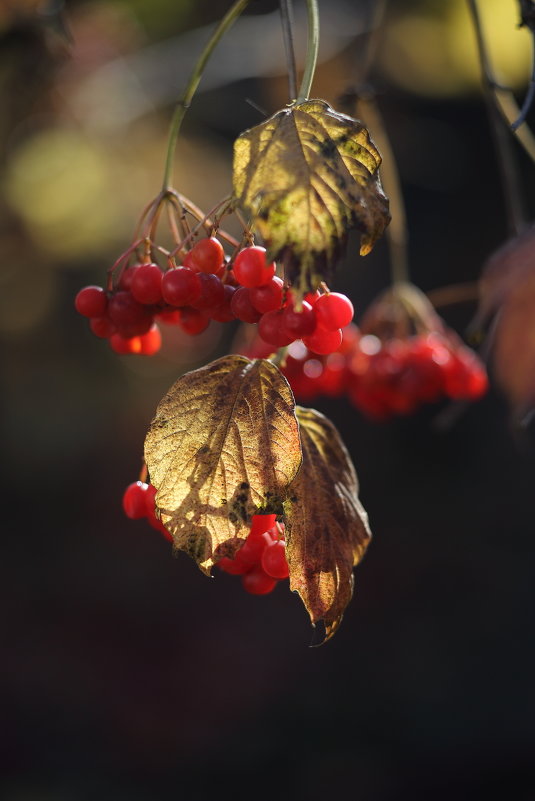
{"x": 224, "y": 444}
{"x": 507, "y": 289}
{"x": 514, "y": 345}
{"x": 327, "y": 527}
{"x": 306, "y": 176}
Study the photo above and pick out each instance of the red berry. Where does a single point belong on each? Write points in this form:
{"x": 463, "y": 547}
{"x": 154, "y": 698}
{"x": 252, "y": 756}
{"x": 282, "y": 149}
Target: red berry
{"x": 272, "y": 330}
{"x": 151, "y": 342}
{"x": 250, "y": 267}
{"x": 212, "y": 292}
{"x": 135, "y": 500}
{"x": 261, "y": 524}
{"x": 274, "y": 560}
{"x": 207, "y": 255}
{"x": 269, "y": 296}
{"x": 91, "y": 301}
{"x": 242, "y": 307}
{"x": 333, "y": 310}
{"x": 169, "y": 316}
{"x": 193, "y": 321}
{"x": 254, "y": 546}
{"x": 257, "y": 582}
{"x": 146, "y": 284}
{"x": 224, "y": 313}
{"x": 323, "y": 342}
{"x": 102, "y": 327}
{"x": 299, "y": 323}
{"x": 130, "y": 317}
{"x": 180, "y": 286}
{"x": 126, "y": 277}
{"x": 232, "y": 566}
{"x": 125, "y": 345}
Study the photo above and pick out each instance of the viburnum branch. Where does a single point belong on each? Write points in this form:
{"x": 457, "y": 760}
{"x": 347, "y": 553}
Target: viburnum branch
{"x": 312, "y": 51}
{"x": 508, "y": 172}
{"x": 286, "y": 12}
{"x": 183, "y": 104}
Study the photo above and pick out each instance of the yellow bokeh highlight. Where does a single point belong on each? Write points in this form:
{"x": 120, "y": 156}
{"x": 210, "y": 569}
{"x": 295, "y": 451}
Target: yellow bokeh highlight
{"x": 59, "y": 183}
{"x": 433, "y": 51}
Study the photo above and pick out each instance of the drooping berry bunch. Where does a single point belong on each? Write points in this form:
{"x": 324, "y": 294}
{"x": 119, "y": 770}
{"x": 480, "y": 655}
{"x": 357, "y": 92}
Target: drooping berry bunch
{"x": 261, "y": 560}
{"x": 199, "y": 282}
{"x": 404, "y": 357}
{"x": 138, "y": 502}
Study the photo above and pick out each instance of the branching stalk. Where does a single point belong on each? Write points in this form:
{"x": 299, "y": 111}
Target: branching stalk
{"x": 502, "y": 143}
{"x": 183, "y": 104}
{"x": 312, "y": 50}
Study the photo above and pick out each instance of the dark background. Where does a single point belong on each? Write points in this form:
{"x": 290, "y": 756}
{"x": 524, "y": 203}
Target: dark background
{"x": 126, "y": 674}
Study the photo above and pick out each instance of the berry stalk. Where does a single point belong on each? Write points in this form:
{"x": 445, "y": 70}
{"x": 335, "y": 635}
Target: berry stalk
{"x": 312, "y": 51}
{"x": 183, "y": 104}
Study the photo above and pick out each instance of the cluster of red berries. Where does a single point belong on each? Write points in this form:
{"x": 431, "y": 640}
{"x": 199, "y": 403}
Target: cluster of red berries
{"x": 206, "y": 287}
{"x": 385, "y": 378}
{"x": 261, "y": 560}
{"x": 138, "y": 502}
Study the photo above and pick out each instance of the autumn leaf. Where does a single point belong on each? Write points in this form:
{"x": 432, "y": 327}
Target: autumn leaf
{"x": 507, "y": 289}
{"x": 224, "y": 444}
{"x": 306, "y": 176}
{"x": 327, "y": 527}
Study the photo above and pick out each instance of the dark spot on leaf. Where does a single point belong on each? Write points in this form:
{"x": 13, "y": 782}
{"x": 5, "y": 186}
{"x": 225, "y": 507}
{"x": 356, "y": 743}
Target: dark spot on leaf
{"x": 244, "y": 485}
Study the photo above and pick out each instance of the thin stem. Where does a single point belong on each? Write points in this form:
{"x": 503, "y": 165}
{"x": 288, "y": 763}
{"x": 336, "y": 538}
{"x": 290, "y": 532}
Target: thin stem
{"x": 396, "y": 232}
{"x": 183, "y": 104}
{"x": 312, "y": 50}
{"x": 529, "y": 96}
{"x": 287, "y": 33}
{"x": 511, "y": 189}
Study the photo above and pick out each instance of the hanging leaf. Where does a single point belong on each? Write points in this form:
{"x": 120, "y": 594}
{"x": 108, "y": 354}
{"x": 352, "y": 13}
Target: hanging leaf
{"x": 306, "y": 176}
{"x": 327, "y": 527}
{"x": 224, "y": 444}
{"x": 514, "y": 345}
{"x": 507, "y": 289}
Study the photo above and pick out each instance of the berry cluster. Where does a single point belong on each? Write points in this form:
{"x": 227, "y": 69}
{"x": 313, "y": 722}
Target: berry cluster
{"x": 207, "y": 287}
{"x": 138, "y": 502}
{"x": 384, "y": 378}
{"x": 261, "y": 560}
{"x": 398, "y": 376}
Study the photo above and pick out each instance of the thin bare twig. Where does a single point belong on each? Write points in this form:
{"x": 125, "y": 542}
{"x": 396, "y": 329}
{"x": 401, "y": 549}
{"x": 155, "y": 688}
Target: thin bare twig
{"x": 286, "y": 11}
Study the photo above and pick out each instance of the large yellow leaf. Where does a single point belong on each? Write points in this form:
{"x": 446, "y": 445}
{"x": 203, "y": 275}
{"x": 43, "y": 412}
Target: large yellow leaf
{"x": 223, "y": 445}
{"x": 327, "y": 526}
{"x": 306, "y": 176}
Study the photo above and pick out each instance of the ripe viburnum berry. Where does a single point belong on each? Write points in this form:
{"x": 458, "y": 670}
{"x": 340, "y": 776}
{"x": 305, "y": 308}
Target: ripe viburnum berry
{"x": 207, "y": 255}
{"x": 242, "y": 307}
{"x": 274, "y": 560}
{"x": 267, "y": 297}
{"x": 264, "y": 533}
{"x": 180, "y": 286}
{"x": 146, "y": 286}
{"x": 322, "y": 341}
{"x": 91, "y": 301}
{"x": 333, "y": 310}
{"x": 251, "y": 268}
{"x": 299, "y": 323}
{"x": 257, "y": 582}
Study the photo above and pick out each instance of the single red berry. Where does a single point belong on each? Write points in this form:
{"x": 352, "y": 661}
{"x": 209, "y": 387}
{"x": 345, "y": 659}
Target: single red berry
{"x": 274, "y": 560}
{"x": 135, "y": 500}
{"x": 102, "y": 327}
{"x": 257, "y": 582}
{"x": 207, "y": 255}
{"x": 242, "y": 307}
{"x": 272, "y": 330}
{"x": 323, "y": 342}
{"x": 180, "y": 286}
{"x": 269, "y": 296}
{"x": 146, "y": 284}
{"x": 212, "y": 292}
{"x": 224, "y": 313}
{"x": 130, "y": 317}
{"x": 251, "y": 551}
{"x": 91, "y": 301}
{"x": 125, "y": 345}
{"x": 298, "y": 324}
{"x": 193, "y": 321}
{"x": 232, "y": 566}
{"x": 126, "y": 277}
{"x": 250, "y": 267}
{"x": 261, "y": 524}
{"x": 333, "y": 310}
{"x": 151, "y": 342}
